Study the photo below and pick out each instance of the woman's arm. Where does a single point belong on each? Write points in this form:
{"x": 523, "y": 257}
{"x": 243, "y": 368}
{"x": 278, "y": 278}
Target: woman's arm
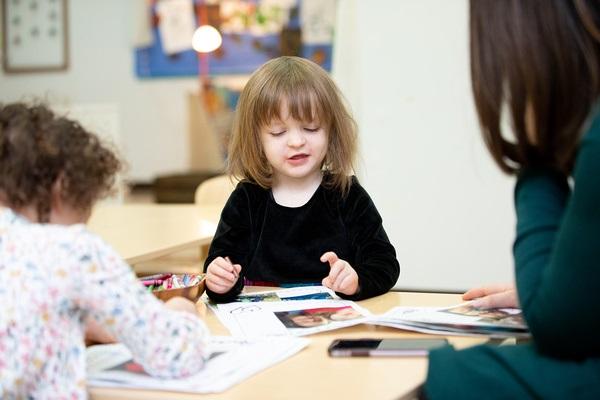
{"x": 557, "y": 256}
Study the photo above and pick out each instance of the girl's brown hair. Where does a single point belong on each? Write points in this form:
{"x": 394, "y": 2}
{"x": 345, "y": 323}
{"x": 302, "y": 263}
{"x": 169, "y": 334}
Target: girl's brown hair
{"x": 541, "y": 60}
{"x": 309, "y": 93}
{"x": 37, "y": 148}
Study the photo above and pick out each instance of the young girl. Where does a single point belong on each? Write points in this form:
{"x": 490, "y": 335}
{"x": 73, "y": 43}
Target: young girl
{"x": 540, "y": 61}
{"x": 55, "y": 274}
{"x": 297, "y": 216}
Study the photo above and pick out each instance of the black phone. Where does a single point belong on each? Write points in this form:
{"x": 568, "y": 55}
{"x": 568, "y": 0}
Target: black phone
{"x": 383, "y": 347}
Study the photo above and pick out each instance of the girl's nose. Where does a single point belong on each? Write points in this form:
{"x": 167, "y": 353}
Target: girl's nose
{"x": 296, "y": 138}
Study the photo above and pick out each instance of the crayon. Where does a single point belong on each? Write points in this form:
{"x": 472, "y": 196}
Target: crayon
{"x": 152, "y": 282}
{"x": 155, "y": 276}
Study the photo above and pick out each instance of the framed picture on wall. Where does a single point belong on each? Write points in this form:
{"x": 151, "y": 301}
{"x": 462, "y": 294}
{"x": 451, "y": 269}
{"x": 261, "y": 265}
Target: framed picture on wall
{"x": 34, "y": 36}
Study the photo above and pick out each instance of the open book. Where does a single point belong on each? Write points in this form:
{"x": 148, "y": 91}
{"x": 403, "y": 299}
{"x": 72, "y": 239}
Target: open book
{"x": 232, "y": 360}
{"x": 462, "y": 319}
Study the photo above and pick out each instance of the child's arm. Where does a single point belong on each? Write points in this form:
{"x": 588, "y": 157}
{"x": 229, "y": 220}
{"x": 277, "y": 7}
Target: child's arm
{"x": 165, "y": 342}
{"x": 231, "y": 242}
{"x": 375, "y": 257}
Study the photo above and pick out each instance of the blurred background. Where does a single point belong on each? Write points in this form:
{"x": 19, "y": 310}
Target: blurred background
{"x": 127, "y": 70}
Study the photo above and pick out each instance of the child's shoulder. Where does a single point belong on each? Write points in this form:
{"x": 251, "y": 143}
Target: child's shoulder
{"x": 248, "y": 190}
{"x": 69, "y": 241}
{"x": 247, "y": 185}
{"x": 355, "y": 190}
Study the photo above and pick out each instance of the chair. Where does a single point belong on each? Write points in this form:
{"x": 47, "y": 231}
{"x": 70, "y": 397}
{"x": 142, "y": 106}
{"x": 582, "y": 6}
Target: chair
{"x": 215, "y": 191}
{"x": 212, "y": 192}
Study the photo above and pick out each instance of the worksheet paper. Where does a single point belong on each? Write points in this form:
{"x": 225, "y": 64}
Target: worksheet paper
{"x": 232, "y": 360}
{"x": 286, "y": 312}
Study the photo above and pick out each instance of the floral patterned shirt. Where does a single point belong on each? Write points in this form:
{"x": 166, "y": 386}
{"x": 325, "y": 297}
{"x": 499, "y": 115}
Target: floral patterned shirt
{"x": 51, "y": 278}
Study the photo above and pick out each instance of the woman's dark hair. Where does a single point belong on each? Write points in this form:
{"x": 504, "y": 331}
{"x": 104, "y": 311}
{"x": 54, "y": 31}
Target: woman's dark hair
{"x": 541, "y": 60}
{"x": 37, "y": 148}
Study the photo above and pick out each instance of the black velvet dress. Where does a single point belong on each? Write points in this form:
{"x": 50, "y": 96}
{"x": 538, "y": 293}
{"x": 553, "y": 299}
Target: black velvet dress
{"x": 282, "y": 245}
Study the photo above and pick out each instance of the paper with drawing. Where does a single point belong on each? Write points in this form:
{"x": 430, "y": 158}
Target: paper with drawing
{"x": 231, "y": 361}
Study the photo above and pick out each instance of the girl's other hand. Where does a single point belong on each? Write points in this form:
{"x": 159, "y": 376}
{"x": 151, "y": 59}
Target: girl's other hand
{"x": 182, "y": 304}
{"x": 342, "y": 277}
{"x": 493, "y": 296}
{"x": 97, "y": 334}
{"x": 222, "y": 274}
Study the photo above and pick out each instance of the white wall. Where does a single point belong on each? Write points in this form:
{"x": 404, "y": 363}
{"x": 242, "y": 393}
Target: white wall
{"x": 446, "y": 207}
{"x": 153, "y": 113}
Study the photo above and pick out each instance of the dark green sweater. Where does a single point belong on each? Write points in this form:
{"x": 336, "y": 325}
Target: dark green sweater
{"x": 557, "y": 261}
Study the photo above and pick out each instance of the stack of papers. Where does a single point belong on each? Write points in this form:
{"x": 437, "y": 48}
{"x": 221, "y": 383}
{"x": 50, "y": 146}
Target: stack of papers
{"x": 462, "y": 320}
{"x": 232, "y": 360}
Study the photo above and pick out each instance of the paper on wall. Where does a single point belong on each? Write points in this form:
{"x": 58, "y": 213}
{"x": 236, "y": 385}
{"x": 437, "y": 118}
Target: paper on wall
{"x": 318, "y": 20}
{"x": 176, "y": 24}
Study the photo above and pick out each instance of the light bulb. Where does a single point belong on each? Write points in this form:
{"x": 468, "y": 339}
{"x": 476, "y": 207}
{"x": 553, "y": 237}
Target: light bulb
{"x": 206, "y": 39}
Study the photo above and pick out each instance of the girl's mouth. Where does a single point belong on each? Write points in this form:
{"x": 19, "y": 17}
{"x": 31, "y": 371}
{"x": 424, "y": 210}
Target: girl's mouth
{"x": 298, "y": 156}
{"x": 298, "y": 159}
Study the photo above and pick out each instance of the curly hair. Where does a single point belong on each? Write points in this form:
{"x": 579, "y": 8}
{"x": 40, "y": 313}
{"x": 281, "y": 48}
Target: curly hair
{"x": 37, "y": 148}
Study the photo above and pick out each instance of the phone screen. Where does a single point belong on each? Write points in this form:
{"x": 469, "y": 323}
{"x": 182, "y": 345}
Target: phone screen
{"x": 383, "y": 347}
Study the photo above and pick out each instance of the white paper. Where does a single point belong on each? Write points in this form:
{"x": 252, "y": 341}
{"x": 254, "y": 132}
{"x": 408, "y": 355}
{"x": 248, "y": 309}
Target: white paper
{"x": 318, "y": 20}
{"x": 35, "y": 34}
{"x": 232, "y": 361}
{"x": 176, "y": 25}
{"x": 141, "y": 24}
{"x": 279, "y": 318}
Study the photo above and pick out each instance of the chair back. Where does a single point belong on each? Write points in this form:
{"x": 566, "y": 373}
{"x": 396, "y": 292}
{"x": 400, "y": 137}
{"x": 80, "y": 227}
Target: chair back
{"x": 215, "y": 191}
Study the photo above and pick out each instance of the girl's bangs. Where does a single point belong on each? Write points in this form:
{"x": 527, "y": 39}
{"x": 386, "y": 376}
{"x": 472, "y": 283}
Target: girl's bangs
{"x": 302, "y": 102}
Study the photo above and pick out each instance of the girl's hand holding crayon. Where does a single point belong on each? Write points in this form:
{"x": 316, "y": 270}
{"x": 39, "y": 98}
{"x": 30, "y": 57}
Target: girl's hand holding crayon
{"x": 342, "y": 277}
{"x": 222, "y": 274}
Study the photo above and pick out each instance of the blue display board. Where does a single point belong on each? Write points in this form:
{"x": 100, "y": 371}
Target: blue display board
{"x": 240, "y": 53}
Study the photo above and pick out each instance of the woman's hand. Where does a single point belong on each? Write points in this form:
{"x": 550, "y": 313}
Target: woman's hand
{"x": 342, "y": 277}
{"x": 493, "y": 296}
{"x": 222, "y": 274}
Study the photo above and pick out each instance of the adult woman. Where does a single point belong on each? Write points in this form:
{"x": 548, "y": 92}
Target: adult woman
{"x": 540, "y": 61}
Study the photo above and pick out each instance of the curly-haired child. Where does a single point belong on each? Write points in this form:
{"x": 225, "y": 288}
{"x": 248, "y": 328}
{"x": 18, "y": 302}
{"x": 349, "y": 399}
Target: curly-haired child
{"x": 56, "y": 275}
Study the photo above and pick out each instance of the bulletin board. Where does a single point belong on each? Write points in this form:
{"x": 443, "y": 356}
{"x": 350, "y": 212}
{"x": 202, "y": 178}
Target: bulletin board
{"x": 34, "y": 36}
{"x": 253, "y": 32}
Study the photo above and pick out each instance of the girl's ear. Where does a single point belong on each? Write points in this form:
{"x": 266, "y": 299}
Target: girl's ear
{"x": 62, "y": 212}
{"x": 56, "y": 200}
